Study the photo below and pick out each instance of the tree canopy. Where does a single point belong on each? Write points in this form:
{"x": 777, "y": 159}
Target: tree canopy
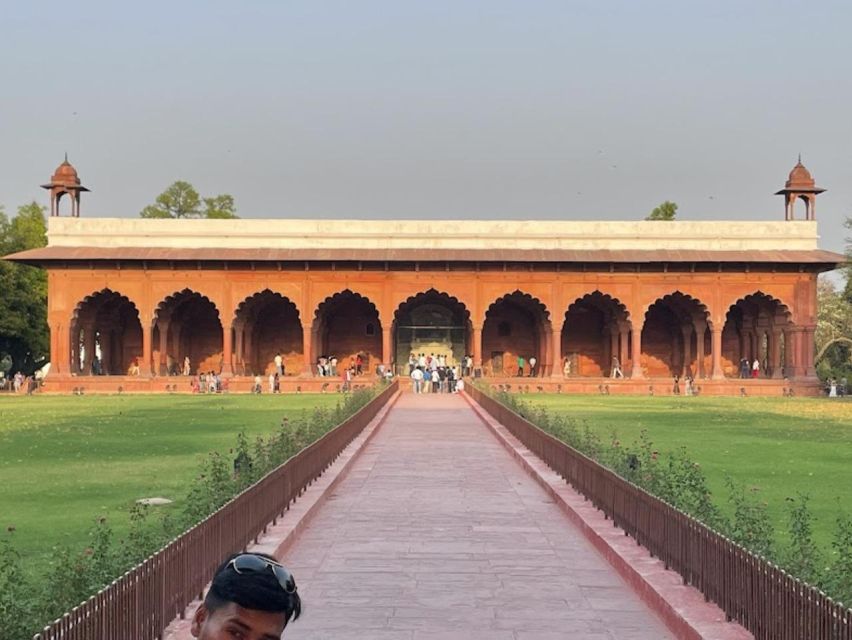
{"x": 181, "y": 200}
{"x": 24, "y": 335}
{"x": 666, "y": 211}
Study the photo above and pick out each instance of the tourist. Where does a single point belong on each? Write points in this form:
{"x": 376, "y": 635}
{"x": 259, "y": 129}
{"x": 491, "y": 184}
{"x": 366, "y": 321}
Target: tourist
{"x": 258, "y": 384}
{"x": 18, "y": 381}
{"x": 347, "y": 380}
{"x": 521, "y": 364}
{"x": 676, "y": 386}
{"x": 532, "y": 366}
{"x": 279, "y": 364}
{"x": 755, "y": 368}
{"x": 566, "y": 368}
{"x": 412, "y": 362}
{"x": 421, "y": 361}
{"x": 417, "y": 379}
{"x": 744, "y": 368}
{"x": 688, "y": 385}
{"x": 186, "y": 367}
{"x": 359, "y": 365}
{"x": 276, "y": 383}
{"x": 251, "y": 596}
{"x": 272, "y": 382}
{"x": 460, "y": 385}
{"x": 134, "y": 367}
{"x": 832, "y": 388}
{"x": 427, "y": 381}
{"x": 333, "y": 363}
{"x": 615, "y": 371}
{"x": 437, "y": 380}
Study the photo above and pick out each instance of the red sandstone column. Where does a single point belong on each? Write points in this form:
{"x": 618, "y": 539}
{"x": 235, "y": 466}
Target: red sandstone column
{"x": 636, "y": 372}
{"x": 476, "y": 338}
{"x": 808, "y": 352}
{"x": 796, "y": 365}
{"x": 700, "y": 331}
{"x": 162, "y": 356}
{"x": 716, "y": 351}
{"x": 145, "y": 363}
{"x": 622, "y": 347}
{"x": 387, "y": 356}
{"x": 89, "y": 348}
{"x": 775, "y": 353}
{"x": 556, "y": 351}
{"x": 687, "y": 349}
{"x": 227, "y": 351}
{"x": 306, "y": 351}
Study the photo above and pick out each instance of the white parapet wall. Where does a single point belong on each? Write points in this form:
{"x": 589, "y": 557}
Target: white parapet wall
{"x": 435, "y": 234}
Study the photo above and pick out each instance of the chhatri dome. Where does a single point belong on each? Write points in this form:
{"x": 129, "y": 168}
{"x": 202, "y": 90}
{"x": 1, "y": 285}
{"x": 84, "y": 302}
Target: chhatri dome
{"x": 65, "y": 181}
{"x": 800, "y": 185}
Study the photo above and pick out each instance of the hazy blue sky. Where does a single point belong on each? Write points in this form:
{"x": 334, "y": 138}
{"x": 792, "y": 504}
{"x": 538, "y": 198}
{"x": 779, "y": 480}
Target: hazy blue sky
{"x": 492, "y": 109}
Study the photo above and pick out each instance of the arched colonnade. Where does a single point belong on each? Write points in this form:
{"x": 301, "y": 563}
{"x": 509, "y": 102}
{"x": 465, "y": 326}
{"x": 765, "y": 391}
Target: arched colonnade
{"x": 675, "y": 336}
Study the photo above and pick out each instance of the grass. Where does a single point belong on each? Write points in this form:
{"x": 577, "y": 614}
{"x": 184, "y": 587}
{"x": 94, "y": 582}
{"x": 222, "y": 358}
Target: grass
{"x": 780, "y": 445}
{"x": 65, "y": 461}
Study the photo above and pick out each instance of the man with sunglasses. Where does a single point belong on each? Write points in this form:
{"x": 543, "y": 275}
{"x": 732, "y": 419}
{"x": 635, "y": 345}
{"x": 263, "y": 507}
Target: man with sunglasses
{"x": 252, "y": 597}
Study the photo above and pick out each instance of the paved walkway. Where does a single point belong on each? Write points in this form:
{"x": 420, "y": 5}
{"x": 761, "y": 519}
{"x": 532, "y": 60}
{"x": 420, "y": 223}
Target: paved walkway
{"x": 438, "y": 533}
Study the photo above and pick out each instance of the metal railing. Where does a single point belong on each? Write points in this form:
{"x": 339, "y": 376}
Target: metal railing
{"x": 140, "y": 604}
{"x": 753, "y": 592}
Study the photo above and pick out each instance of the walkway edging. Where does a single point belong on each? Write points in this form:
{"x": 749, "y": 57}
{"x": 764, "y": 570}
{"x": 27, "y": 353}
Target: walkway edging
{"x": 281, "y": 536}
{"x": 682, "y": 608}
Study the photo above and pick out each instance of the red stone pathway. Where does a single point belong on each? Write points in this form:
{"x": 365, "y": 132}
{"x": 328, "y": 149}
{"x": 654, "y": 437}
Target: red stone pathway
{"x": 437, "y": 532}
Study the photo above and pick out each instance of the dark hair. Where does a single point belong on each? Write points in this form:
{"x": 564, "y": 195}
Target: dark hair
{"x": 259, "y": 591}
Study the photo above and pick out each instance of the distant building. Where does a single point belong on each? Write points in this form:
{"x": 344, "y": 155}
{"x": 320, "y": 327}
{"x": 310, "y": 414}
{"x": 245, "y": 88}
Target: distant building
{"x": 664, "y": 298}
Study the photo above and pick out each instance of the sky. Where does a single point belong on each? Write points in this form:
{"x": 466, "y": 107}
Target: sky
{"x": 490, "y": 109}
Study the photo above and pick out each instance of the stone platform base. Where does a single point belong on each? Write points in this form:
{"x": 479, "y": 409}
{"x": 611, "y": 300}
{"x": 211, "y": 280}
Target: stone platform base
{"x": 660, "y": 386}
{"x": 181, "y": 384}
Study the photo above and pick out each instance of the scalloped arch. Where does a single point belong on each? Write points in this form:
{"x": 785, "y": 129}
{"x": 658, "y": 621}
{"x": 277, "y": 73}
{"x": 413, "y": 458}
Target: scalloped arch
{"x": 252, "y": 299}
{"x": 431, "y": 291}
{"x": 106, "y": 291}
{"x": 322, "y": 306}
{"x": 680, "y": 300}
{"x": 519, "y": 296}
{"x": 186, "y": 294}
{"x": 763, "y": 297}
{"x": 598, "y": 295}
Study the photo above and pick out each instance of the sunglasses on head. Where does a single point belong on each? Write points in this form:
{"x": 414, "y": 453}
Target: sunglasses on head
{"x": 251, "y": 563}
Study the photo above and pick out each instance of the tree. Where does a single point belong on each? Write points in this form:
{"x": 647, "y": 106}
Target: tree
{"x": 181, "y": 200}
{"x": 666, "y": 211}
{"x": 221, "y": 206}
{"x": 833, "y": 332}
{"x": 24, "y": 334}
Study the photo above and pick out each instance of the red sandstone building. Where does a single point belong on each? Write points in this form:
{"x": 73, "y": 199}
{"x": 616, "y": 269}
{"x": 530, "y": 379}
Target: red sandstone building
{"x": 665, "y": 298}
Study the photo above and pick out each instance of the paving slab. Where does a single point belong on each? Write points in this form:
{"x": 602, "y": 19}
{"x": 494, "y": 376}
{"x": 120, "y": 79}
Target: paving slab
{"x": 437, "y": 532}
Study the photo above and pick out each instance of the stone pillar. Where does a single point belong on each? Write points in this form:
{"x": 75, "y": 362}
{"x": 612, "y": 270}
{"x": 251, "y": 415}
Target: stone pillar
{"x": 106, "y": 350}
{"x": 247, "y": 349}
{"x": 89, "y": 348}
{"x": 145, "y": 363}
{"x": 613, "y": 351}
{"x": 716, "y": 351}
{"x": 162, "y": 356}
{"x": 556, "y": 351}
{"x": 307, "y": 346}
{"x": 794, "y": 350}
{"x": 239, "y": 368}
{"x": 227, "y": 351}
{"x": 687, "y": 349}
{"x": 387, "y": 355}
{"x": 636, "y": 337}
{"x": 808, "y": 352}
{"x": 476, "y": 339}
{"x": 624, "y": 330}
{"x": 700, "y": 332}
{"x": 775, "y": 353}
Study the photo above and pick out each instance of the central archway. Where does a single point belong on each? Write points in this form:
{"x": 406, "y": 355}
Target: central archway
{"x": 187, "y": 325}
{"x": 596, "y": 330}
{"x": 431, "y": 323}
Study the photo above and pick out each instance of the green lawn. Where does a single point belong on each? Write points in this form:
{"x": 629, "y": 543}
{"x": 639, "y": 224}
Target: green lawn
{"x": 66, "y": 460}
{"x": 780, "y": 445}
